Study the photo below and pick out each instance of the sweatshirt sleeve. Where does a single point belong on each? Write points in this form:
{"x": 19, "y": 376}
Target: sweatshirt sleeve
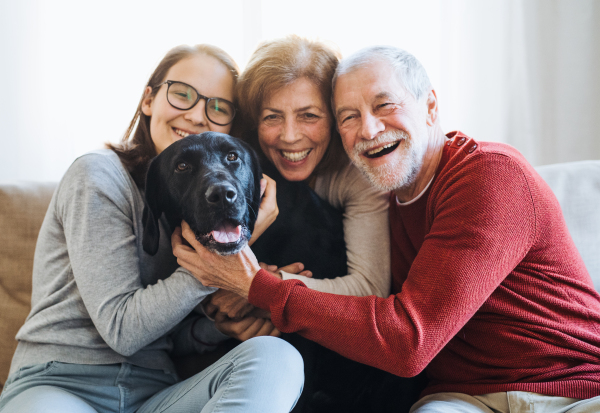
{"x": 96, "y": 208}
{"x": 366, "y": 233}
{"x": 483, "y": 225}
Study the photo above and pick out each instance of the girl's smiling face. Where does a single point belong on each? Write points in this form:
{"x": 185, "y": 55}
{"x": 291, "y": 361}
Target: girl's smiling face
{"x": 294, "y": 129}
{"x": 168, "y": 124}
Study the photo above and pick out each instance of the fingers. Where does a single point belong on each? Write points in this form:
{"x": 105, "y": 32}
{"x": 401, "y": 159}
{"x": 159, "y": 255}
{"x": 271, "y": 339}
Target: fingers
{"x": 180, "y": 249}
{"x": 233, "y": 328}
{"x": 233, "y": 305}
{"x": 263, "y": 186}
{"x": 270, "y": 191}
{"x": 245, "y": 328}
{"x": 265, "y": 330}
{"x": 232, "y": 272}
{"x": 253, "y": 330}
{"x": 190, "y": 237}
{"x": 211, "y": 310}
{"x": 270, "y": 268}
{"x": 241, "y": 329}
{"x": 241, "y": 309}
{"x": 236, "y": 309}
{"x": 260, "y": 313}
{"x": 177, "y": 241}
{"x": 268, "y": 210}
{"x": 294, "y": 268}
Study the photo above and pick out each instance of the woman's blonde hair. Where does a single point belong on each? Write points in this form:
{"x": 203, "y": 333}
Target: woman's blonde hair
{"x": 136, "y": 148}
{"x": 280, "y": 62}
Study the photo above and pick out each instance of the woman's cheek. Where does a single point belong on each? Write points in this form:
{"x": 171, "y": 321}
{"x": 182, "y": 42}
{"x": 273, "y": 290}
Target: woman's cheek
{"x": 320, "y": 133}
{"x": 267, "y": 139}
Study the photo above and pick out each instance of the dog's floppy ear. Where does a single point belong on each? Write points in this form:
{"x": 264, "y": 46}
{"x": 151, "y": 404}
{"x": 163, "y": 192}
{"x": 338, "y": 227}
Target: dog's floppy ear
{"x": 152, "y": 210}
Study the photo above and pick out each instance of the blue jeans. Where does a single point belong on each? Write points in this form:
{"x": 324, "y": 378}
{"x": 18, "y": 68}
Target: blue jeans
{"x": 264, "y": 374}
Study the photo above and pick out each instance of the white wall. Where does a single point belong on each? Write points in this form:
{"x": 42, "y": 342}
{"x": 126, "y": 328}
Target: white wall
{"x": 517, "y": 71}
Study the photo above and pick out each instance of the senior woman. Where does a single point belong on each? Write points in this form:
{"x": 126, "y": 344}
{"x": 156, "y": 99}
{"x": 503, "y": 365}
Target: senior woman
{"x": 284, "y": 95}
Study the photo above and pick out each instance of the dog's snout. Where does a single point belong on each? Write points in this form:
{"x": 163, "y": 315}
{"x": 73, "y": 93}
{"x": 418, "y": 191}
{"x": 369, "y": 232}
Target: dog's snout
{"x": 224, "y": 194}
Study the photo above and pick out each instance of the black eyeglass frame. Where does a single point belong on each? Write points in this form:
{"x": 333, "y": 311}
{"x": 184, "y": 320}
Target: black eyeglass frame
{"x": 200, "y": 96}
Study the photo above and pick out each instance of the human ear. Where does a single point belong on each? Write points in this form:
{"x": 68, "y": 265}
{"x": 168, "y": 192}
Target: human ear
{"x": 432, "y": 108}
{"x": 147, "y": 101}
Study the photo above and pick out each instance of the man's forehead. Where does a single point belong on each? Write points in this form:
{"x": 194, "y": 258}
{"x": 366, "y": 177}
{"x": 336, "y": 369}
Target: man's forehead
{"x": 371, "y": 82}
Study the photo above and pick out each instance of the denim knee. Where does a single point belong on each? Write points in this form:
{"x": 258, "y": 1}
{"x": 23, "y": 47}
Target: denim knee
{"x": 275, "y": 355}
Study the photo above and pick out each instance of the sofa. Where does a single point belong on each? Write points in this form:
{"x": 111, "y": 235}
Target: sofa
{"x": 23, "y": 205}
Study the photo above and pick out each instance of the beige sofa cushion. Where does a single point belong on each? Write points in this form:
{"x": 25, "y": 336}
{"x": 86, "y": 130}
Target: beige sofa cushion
{"x": 22, "y": 210}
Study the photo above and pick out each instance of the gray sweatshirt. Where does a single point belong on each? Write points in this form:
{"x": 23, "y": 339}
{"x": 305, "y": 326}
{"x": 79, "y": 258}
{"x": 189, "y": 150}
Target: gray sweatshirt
{"x": 97, "y": 297}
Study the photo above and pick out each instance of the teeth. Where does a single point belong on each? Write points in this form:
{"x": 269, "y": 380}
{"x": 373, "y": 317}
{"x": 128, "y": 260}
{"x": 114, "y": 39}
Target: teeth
{"x": 377, "y": 150}
{"x": 181, "y": 133}
{"x": 295, "y": 156}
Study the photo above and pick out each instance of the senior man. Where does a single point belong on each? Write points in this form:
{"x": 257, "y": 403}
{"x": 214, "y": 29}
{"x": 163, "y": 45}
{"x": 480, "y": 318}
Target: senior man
{"x": 490, "y": 296}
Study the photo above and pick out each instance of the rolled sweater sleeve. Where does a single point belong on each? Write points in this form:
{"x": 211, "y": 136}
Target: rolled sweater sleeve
{"x": 366, "y": 233}
{"x": 95, "y": 206}
{"x": 483, "y": 223}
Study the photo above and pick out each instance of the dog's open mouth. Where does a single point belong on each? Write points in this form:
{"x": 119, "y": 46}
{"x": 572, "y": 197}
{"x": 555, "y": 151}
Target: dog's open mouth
{"x": 227, "y": 232}
{"x": 228, "y": 237}
{"x": 382, "y": 150}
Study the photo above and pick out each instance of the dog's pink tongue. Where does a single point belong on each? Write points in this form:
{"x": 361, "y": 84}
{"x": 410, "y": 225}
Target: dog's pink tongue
{"x": 227, "y": 233}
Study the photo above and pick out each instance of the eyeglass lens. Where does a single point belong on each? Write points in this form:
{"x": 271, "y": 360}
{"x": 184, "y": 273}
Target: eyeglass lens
{"x": 184, "y": 97}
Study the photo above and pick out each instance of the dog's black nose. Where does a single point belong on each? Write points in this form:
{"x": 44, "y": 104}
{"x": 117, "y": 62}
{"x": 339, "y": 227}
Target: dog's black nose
{"x": 224, "y": 194}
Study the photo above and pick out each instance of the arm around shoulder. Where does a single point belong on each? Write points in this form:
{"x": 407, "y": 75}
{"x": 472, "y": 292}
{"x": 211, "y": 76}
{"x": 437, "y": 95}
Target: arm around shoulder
{"x": 99, "y": 208}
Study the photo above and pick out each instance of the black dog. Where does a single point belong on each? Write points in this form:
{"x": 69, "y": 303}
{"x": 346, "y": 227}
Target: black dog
{"x": 212, "y": 181}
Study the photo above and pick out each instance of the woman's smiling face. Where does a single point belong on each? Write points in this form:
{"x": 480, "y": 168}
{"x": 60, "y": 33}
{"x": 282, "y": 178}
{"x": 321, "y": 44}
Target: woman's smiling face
{"x": 294, "y": 129}
{"x": 168, "y": 124}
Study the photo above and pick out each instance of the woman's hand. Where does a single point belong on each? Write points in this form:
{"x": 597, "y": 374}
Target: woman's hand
{"x": 295, "y": 268}
{"x": 231, "y": 272}
{"x": 245, "y": 328}
{"x": 268, "y": 211}
{"x": 232, "y": 305}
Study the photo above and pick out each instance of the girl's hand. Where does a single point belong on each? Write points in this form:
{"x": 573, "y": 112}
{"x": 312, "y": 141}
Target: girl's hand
{"x": 268, "y": 211}
{"x": 231, "y": 272}
{"x": 245, "y": 328}
{"x": 232, "y": 305}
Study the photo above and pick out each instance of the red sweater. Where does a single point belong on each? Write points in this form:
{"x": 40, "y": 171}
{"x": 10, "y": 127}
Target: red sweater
{"x": 490, "y": 293}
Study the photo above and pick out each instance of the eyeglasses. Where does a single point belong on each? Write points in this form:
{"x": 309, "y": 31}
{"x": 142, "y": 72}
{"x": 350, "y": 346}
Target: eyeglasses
{"x": 184, "y": 97}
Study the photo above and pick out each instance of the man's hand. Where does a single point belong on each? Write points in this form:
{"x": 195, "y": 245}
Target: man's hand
{"x": 245, "y": 328}
{"x": 231, "y": 304}
{"x": 268, "y": 211}
{"x": 232, "y": 272}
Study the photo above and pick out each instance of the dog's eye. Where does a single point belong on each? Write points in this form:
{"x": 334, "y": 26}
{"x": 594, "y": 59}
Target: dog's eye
{"x": 232, "y": 156}
{"x": 182, "y": 166}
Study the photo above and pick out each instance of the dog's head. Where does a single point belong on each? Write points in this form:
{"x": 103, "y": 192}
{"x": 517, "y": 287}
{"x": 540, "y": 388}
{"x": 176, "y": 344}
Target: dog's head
{"x": 212, "y": 181}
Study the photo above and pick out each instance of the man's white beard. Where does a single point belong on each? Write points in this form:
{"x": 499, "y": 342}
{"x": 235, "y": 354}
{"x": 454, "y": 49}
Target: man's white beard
{"x": 398, "y": 173}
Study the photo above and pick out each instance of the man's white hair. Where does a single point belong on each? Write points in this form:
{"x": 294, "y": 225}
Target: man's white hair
{"x": 409, "y": 70}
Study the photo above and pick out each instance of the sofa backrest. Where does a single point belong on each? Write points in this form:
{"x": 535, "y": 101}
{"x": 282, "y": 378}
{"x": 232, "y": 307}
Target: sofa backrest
{"x": 22, "y": 210}
{"x": 577, "y": 187}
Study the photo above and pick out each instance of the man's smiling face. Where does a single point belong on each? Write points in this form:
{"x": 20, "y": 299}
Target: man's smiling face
{"x": 383, "y": 127}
